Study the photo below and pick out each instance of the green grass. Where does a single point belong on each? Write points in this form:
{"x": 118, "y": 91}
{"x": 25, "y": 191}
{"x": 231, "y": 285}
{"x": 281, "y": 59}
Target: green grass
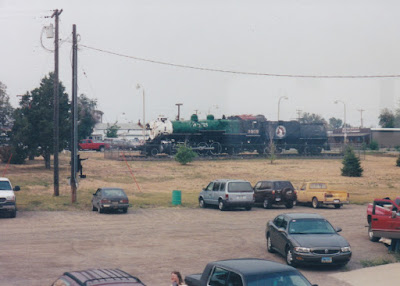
{"x": 375, "y": 262}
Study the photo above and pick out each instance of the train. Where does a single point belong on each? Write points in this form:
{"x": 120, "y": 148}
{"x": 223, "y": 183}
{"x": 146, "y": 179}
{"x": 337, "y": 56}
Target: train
{"x": 234, "y": 135}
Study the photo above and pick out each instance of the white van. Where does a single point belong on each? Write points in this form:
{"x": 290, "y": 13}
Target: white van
{"x": 7, "y": 197}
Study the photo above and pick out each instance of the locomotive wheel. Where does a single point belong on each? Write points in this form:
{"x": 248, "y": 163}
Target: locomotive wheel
{"x": 202, "y": 148}
{"x": 154, "y": 152}
{"x": 217, "y": 148}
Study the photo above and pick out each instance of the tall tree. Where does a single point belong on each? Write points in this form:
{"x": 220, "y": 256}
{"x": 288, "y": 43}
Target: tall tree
{"x": 112, "y": 131}
{"x": 34, "y": 124}
{"x": 387, "y": 118}
{"x": 86, "y": 118}
{"x": 335, "y": 123}
{"x": 312, "y": 118}
{"x": 6, "y": 110}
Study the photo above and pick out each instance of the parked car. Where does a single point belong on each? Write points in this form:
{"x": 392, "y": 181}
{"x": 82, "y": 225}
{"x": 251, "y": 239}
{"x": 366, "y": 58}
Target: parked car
{"x": 268, "y": 193}
{"x": 7, "y": 197}
{"x": 319, "y": 193}
{"x": 96, "y": 277}
{"x": 227, "y": 193}
{"x": 305, "y": 238}
{"x": 383, "y": 217}
{"x": 247, "y": 272}
{"x": 89, "y": 144}
{"x": 110, "y": 199}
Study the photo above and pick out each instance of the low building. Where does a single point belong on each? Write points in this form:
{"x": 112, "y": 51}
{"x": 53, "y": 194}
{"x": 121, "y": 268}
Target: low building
{"x": 386, "y": 137}
{"x": 126, "y": 131}
{"x": 353, "y": 135}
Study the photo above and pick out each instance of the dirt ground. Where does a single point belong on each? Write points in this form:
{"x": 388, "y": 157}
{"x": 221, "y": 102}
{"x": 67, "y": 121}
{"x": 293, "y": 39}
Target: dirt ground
{"x": 37, "y": 247}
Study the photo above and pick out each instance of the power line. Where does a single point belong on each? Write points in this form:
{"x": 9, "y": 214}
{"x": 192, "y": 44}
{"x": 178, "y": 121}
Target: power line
{"x": 239, "y": 72}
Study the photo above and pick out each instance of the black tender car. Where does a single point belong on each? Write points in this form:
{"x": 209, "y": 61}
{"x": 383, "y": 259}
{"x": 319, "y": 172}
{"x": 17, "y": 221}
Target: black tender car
{"x": 247, "y": 272}
{"x": 268, "y": 193}
{"x": 305, "y": 238}
{"x": 98, "y": 277}
{"x": 111, "y": 199}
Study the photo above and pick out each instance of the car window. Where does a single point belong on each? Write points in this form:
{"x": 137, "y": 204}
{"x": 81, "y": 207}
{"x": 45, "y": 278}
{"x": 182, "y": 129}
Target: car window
{"x": 114, "y": 193}
{"x": 239, "y": 187}
{"x": 210, "y": 186}
{"x": 277, "y": 279}
{"x": 234, "y": 279}
{"x": 303, "y": 187}
{"x": 258, "y": 185}
{"x": 318, "y": 186}
{"x": 284, "y": 223}
{"x": 218, "y": 277}
{"x": 283, "y": 185}
{"x": 216, "y": 187}
{"x": 5, "y": 185}
{"x": 278, "y": 221}
{"x": 222, "y": 188}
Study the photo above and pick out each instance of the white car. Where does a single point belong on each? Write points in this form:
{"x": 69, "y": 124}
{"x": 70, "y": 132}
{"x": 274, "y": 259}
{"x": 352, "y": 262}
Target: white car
{"x": 7, "y": 197}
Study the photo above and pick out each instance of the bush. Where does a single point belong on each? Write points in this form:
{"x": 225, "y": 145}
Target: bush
{"x": 185, "y": 155}
{"x": 351, "y": 164}
{"x": 398, "y": 161}
{"x": 373, "y": 145}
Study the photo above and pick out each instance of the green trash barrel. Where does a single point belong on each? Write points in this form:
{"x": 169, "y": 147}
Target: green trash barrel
{"x": 176, "y": 197}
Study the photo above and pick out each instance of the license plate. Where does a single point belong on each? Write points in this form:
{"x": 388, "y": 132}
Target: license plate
{"x": 336, "y": 201}
{"x": 114, "y": 203}
{"x": 326, "y": 259}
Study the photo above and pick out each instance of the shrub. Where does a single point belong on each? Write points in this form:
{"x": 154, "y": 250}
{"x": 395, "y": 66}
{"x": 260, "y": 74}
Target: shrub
{"x": 398, "y": 161}
{"x": 351, "y": 164}
{"x": 185, "y": 155}
{"x": 373, "y": 145}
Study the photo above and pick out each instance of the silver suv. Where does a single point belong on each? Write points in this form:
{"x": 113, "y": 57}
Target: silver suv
{"x": 227, "y": 193}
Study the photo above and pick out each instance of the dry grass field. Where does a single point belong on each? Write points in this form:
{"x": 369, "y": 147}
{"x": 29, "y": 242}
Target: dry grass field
{"x": 157, "y": 180}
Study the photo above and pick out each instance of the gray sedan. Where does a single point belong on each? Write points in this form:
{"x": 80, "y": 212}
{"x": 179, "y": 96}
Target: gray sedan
{"x": 110, "y": 199}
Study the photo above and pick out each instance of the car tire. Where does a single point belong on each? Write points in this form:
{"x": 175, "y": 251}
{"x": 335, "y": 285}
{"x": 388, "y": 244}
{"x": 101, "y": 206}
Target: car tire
{"x": 267, "y": 204}
{"x": 202, "y": 203}
{"x": 248, "y": 208}
{"x": 13, "y": 213}
{"x": 125, "y": 210}
{"x": 315, "y": 203}
{"x": 93, "y": 208}
{"x": 289, "y": 257}
{"x": 371, "y": 234}
{"x": 269, "y": 244}
{"x": 289, "y": 204}
{"x": 221, "y": 205}
{"x": 102, "y": 149}
{"x": 100, "y": 210}
{"x": 337, "y": 206}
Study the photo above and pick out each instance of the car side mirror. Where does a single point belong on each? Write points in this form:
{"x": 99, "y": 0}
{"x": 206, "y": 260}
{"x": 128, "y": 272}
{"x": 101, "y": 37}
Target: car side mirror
{"x": 394, "y": 215}
{"x": 338, "y": 229}
{"x": 17, "y": 188}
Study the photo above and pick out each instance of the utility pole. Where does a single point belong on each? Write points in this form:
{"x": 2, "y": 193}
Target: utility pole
{"x": 56, "y": 115}
{"x": 74, "y": 115}
{"x": 361, "y": 111}
{"x": 179, "y": 110}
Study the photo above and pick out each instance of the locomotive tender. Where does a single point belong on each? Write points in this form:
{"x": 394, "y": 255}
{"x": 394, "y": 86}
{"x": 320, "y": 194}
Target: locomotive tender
{"x": 236, "y": 134}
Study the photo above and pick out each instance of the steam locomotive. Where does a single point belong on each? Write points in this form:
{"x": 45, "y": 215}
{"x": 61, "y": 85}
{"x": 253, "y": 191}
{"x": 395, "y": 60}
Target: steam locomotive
{"x": 234, "y": 135}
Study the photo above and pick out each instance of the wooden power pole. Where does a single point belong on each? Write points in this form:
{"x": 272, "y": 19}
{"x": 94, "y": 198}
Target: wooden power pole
{"x": 74, "y": 115}
{"x": 56, "y": 115}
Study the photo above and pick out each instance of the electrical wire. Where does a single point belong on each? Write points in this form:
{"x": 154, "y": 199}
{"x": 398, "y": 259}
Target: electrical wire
{"x": 240, "y": 72}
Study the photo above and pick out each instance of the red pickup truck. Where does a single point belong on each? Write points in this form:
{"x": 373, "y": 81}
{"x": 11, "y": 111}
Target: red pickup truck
{"x": 383, "y": 217}
{"x": 89, "y": 144}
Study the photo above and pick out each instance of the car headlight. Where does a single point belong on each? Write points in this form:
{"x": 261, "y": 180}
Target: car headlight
{"x": 302, "y": 249}
{"x": 345, "y": 249}
{"x": 10, "y": 198}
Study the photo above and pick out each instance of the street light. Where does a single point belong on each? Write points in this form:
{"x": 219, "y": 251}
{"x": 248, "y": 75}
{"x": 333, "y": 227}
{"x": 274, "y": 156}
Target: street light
{"x": 138, "y": 86}
{"x": 279, "y": 103}
{"x": 344, "y": 119}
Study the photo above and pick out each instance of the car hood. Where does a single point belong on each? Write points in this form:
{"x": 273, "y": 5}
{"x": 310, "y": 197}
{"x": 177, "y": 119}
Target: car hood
{"x": 319, "y": 240}
{"x": 6, "y": 193}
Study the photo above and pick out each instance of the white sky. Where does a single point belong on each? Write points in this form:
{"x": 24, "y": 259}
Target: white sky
{"x": 298, "y": 37}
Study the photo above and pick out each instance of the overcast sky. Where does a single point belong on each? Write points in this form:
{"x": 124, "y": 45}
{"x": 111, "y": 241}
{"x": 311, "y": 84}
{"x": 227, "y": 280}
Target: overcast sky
{"x": 310, "y": 37}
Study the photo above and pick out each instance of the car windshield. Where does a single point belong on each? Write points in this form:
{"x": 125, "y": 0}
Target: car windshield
{"x": 310, "y": 226}
{"x": 114, "y": 193}
{"x": 239, "y": 187}
{"x": 277, "y": 279}
{"x": 4, "y": 185}
{"x": 283, "y": 185}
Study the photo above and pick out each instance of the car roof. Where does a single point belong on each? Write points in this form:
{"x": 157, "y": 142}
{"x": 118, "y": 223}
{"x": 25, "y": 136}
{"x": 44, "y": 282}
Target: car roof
{"x": 103, "y": 277}
{"x": 252, "y": 266}
{"x": 303, "y": 216}
{"x": 230, "y": 180}
{"x": 4, "y": 179}
{"x": 108, "y": 188}
{"x": 274, "y": 181}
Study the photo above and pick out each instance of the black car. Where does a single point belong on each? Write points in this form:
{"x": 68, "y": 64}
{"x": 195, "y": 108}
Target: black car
{"x": 96, "y": 277}
{"x": 268, "y": 193}
{"x": 247, "y": 272}
{"x": 110, "y": 199}
{"x": 307, "y": 239}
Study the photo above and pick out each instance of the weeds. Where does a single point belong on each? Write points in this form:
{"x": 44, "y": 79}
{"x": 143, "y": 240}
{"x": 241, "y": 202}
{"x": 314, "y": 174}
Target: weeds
{"x": 375, "y": 262}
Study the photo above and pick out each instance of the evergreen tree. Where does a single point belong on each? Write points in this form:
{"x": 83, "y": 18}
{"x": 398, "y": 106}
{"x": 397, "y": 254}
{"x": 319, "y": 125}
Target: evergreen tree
{"x": 86, "y": 118}
{"x": 185, "y": 155}
{"x": 112, "y": 131}
{"x": 351, "y": 164}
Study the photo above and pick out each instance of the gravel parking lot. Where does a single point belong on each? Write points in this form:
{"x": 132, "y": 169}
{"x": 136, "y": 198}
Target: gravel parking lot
{"x": 37, "y": 247}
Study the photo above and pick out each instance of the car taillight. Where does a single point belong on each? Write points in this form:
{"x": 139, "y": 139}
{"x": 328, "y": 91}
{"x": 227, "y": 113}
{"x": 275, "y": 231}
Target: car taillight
{"x": 273, "y": 192}
{"x": 123, "y": 201}
{"x": 105, "y": 201}
{"x": 348, "y": 196}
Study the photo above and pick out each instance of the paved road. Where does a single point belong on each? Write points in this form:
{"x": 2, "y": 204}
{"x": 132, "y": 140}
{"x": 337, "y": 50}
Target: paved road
{"x": 36, "y": 247}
